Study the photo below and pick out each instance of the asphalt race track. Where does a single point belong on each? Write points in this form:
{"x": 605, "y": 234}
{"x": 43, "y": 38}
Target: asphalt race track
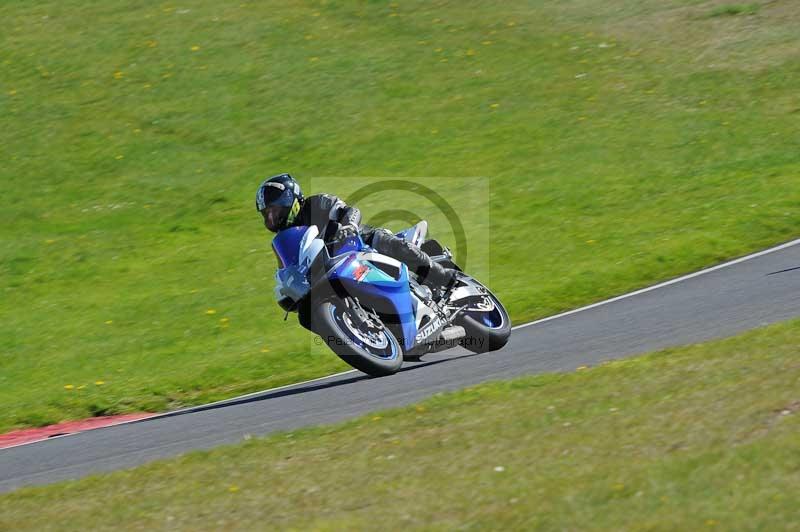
{"x": 722, "y": 301}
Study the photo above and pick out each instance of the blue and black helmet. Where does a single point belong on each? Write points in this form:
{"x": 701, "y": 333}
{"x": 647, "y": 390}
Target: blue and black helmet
{"x": 279, "y": 199}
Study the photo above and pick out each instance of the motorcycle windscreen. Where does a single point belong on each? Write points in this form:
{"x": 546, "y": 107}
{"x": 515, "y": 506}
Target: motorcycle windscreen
{"x": 286, "y": 245}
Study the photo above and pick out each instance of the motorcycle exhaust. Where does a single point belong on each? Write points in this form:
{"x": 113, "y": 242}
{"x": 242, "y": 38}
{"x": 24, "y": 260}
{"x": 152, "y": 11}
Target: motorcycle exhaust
{"x": 453, "y": 333}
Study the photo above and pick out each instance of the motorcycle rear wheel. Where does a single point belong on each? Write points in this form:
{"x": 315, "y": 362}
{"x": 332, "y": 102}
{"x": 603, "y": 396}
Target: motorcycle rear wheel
{"x": 487, "y": 330}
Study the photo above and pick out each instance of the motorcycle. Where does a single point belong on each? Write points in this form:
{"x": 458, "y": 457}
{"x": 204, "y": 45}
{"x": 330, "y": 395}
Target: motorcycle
{"x": 372, "y": 311}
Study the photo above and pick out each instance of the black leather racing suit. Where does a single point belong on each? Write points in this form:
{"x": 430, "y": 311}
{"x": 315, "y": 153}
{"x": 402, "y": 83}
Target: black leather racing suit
{"x": 328, "y": 213}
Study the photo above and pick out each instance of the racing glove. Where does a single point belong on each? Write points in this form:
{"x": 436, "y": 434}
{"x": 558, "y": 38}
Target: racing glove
{"x": 345, "y": 231}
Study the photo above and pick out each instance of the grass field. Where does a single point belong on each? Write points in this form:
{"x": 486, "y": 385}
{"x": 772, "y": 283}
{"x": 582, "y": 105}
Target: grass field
{"x": 622, "y": 143}
{"x": 694, "y": 438}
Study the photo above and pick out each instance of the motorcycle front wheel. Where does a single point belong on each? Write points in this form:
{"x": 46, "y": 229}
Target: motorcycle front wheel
{"x": 372, "y": 349}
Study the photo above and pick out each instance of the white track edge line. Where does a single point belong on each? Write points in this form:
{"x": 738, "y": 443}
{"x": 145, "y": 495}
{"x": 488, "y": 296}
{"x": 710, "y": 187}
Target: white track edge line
{"x": 521, "y": 326}
{"x": 661, "y": 285}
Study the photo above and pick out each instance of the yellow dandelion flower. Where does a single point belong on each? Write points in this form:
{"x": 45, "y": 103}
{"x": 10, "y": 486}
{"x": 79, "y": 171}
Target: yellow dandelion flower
{"x": 376, "y": 418}
{"x": 195, "y": 48}
{"x": 69, "y": 387}
{"x": 211, "y": 311}
{"x": 99, "y": 383}
{"x": 313, "y": 59}
{"x": 118, "y": 157}
{"x": 591, "y": 241}
{"x": 265, "y": 350}
{"x": 233, "y": 489}
{"x": 146, "y": 86}
{"x": 421, "y": 409}
{"x": 224, "y": 320}
{"x": 494, "y": 105}
{"x": 109, "y": 322}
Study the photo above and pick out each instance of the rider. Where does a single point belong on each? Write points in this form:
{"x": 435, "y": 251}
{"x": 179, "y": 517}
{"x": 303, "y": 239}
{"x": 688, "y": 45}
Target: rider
{"x": 282, "y": 204}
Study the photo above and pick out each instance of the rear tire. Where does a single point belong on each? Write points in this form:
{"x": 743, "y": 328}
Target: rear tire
{"x": 487, "y": 331}
{"x": 378, "y": 355}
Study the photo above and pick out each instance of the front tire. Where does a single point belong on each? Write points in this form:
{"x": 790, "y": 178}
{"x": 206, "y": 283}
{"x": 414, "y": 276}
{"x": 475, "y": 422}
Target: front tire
{"x": 375, "y": 352}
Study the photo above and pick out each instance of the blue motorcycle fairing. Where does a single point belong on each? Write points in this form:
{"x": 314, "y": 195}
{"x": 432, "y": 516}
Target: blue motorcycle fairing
{"x": 376, "y": 288}
{"x": 286, "y": 245}
{"x": 379, "y": 290}
{"x": 351, "y": 244}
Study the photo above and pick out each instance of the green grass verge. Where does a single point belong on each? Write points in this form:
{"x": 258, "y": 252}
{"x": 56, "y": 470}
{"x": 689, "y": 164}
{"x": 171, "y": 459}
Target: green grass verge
{"x": 684, "y": 439}
{"x": 623, "y": 144}
{"x": 734, "y": 9}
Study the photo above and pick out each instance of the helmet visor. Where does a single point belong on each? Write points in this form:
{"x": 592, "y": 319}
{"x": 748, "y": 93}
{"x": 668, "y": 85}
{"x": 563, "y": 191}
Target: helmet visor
{"x": 275, "y": 217}
{"x": 277, "y": 194}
